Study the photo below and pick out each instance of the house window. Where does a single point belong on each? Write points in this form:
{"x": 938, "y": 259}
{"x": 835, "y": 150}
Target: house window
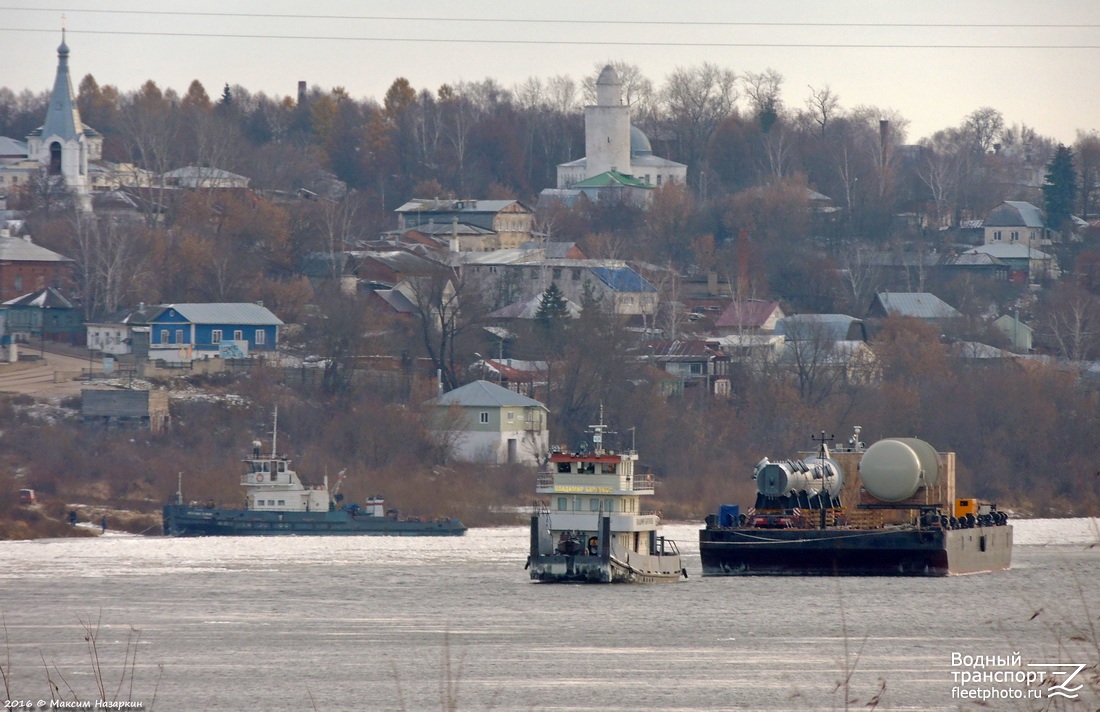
{"x": 260, "y": 336}
{"x": 996, "y": 234}
{"x": 696, "y": 368}
{"x": 238, "y": 335}
{"x": 534, "y": 274}
{"x": 164, "y": 336}
{"x": 484, "y": 417}
{"x": 658, "y": 179}
{"x": 179, "y": 336}
{"x": 216, "y": 336}
{"x": 576, "y": 275}
{"x": 1015, "y": 236}
{"x": 557, "y": 273}
{"x": 18, "y": 281}
{"x": 511, "y": 417}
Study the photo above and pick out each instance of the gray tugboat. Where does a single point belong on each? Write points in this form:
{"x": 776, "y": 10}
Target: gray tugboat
{"x": 907, "y": 522}
{"x": 277, "y": 503}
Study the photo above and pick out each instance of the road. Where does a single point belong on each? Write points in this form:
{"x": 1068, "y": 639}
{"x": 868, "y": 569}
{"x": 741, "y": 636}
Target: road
{"x": 37, "y": 378}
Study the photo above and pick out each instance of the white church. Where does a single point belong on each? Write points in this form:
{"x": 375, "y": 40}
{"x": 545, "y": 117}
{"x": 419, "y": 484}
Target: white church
{"x": 62, "y": 146}
{"x": 615, "y": 151}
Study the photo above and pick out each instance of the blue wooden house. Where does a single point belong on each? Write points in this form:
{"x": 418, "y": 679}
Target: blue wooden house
{"x": 186, "y": 332}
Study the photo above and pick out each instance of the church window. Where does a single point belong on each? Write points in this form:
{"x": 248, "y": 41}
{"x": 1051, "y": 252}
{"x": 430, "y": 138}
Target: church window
{"x": 55, "y": 158}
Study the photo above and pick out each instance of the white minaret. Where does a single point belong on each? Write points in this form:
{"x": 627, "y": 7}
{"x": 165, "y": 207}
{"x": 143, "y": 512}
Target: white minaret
{"x": 607, "y": 128}
{"x": 63, "y": 144}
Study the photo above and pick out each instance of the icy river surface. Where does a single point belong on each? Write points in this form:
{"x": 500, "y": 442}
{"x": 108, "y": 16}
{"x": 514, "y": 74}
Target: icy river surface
{"x": 384, "y": 623}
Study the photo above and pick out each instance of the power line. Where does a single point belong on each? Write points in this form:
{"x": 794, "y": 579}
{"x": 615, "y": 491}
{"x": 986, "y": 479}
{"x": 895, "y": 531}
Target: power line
{"x": 581, "y": 43}
{"x": 552, "y": 21}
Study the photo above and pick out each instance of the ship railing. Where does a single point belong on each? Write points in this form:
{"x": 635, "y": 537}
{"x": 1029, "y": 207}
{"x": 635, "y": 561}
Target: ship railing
{"x": 644, "y": 483}
{"x": 545, "y": 479}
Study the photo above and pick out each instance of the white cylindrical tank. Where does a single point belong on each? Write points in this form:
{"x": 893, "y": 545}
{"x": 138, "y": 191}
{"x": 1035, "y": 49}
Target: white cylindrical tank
{"x": 780, "y": 479}
{"x": 895, "y": 468}
{"x": 826, "y": 473}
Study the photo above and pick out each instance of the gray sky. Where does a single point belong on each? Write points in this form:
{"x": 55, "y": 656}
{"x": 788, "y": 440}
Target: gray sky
{"x": 1040, "y": 76}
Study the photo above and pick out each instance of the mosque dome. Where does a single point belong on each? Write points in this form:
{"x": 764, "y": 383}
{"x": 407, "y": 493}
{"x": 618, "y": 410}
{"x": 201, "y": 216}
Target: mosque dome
{"x": 608, "y": 76}
{"x": 639, "y": 144}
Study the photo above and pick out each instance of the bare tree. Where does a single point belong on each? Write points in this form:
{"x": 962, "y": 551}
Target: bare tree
{"x": 1072, "y": 321}
{"x": 111, "y": 262}
{"x": 862, "y": 276}
{"x": 944, "y": 160}
{"x": 448, "y": 305}
{"x": 812, "y": 359}
{"x": 984, "y": 127}
{"x": 696, "y": 99}
{"x": 151, "y": 126}
{"x": 822, "y": 104}
{"x": 1086, "y": 151}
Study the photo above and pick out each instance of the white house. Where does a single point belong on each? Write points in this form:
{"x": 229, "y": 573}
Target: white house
{"x": 488, "y": 423}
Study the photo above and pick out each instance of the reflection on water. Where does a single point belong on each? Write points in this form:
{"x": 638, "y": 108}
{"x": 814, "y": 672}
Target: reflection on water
{"x": 392, "y": 623}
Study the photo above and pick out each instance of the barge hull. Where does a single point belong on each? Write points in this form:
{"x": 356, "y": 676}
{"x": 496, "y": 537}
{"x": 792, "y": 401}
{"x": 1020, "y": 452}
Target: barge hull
{"x": 737, "y": 551}
{"x": 185, "y": 521}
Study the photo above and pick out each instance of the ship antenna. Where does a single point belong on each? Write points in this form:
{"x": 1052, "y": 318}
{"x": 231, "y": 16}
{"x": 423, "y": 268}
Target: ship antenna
{"x": 275, "y": 434}
{"x": 598, "y": 431}
{"x": 179, "y": 488}
{"x": 823, "y": 451}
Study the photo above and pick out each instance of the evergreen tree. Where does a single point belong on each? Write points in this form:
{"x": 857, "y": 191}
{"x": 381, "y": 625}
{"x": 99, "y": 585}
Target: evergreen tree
{"x": 226, "y": 101}
{"x": 1059, "y": 188}
{"x": 552, "y": 306}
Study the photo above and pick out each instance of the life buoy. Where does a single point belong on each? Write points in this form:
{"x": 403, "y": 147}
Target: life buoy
{"x": 259, "y": 477}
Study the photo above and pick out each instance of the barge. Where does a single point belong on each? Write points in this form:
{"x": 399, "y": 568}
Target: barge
{"x": 907, "y": 521}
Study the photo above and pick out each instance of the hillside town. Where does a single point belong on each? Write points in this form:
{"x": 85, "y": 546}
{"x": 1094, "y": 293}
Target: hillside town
{"x": 445, "y": 283}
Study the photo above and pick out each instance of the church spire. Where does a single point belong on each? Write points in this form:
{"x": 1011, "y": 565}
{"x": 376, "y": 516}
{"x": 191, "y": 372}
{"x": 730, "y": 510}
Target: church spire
{"x": 62, "y": 117}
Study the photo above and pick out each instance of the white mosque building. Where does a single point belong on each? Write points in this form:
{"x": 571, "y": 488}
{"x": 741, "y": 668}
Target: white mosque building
{"x": 613, "y": 146}
{"x": 63, "y": 145}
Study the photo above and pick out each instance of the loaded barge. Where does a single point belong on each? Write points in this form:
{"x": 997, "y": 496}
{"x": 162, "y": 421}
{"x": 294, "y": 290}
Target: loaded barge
{"x": 907, "y": 521}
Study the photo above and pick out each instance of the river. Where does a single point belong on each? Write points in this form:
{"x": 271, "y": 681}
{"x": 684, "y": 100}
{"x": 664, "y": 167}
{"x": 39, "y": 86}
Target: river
{"x": 381, "y": 623}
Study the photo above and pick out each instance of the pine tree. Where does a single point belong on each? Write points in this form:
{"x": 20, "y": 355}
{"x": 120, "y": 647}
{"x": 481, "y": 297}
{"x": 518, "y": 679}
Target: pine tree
{"x": 552, "y": 306}
{"x": 1060, "y": 188}
{"x": 226, "y": 101}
